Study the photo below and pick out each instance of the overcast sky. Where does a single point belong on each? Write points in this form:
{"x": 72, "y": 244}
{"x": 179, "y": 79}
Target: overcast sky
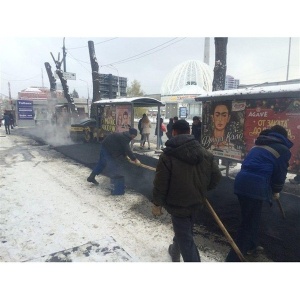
{"x": 145, "y": 45}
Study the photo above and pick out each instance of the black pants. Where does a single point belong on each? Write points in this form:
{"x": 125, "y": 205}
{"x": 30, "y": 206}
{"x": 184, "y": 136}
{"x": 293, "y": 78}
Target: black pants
{"x": 247, "y": 235}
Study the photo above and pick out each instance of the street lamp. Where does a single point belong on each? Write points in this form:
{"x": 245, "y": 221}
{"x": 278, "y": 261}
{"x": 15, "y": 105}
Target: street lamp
{"x": 113, "y": 67}
{"x": 88, "y": 91}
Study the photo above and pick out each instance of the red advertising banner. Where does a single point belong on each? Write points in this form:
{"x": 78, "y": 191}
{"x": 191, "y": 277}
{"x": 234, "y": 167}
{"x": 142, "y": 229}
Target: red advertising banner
{"x": 262, "y": 114}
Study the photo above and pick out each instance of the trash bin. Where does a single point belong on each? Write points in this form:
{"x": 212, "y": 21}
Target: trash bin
{"x": 117, "y": 184}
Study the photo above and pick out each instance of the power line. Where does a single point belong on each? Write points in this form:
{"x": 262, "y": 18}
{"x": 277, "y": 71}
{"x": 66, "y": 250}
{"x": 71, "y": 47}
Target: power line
{"x": 21, "y": 79}
{"x": 74, "y": 48}
{"x": 139, "y": 55}
{"x": 131, "y": 58}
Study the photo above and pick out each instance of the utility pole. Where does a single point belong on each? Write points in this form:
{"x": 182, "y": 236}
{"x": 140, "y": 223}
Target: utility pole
{"x": 9, "y": 95}
{"x": 64, "y": 56}
{"x": 288, "y": 65}
{"x": 206, "y": 50}
{"x": 42, "y": 78}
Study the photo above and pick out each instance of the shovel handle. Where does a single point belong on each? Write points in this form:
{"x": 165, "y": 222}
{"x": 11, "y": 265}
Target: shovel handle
{"x": 226, "y": 233}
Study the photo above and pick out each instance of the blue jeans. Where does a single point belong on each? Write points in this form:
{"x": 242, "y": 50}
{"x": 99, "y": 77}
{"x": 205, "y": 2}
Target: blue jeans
{"x": 248, "y": 233}
{"x": 106, "y": 161}
{"x": 183, "y": 240}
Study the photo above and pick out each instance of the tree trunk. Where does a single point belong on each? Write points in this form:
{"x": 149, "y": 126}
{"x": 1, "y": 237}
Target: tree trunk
{"x": 220, "y": 63}
{"x": 95, "y": 72}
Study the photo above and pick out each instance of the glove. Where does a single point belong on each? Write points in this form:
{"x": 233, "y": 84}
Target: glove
{"x": 137, "y": 162}
{"x": 157, "y": 211}
{"x": 275, "y": 196}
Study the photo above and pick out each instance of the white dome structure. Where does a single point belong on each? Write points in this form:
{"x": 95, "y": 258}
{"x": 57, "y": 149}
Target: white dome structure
{"x": 189, "y": 77}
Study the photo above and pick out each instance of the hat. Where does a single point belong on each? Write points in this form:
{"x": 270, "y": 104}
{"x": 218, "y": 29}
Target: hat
{"x": 133, "y": 131}
{"x": 181, "y": 125}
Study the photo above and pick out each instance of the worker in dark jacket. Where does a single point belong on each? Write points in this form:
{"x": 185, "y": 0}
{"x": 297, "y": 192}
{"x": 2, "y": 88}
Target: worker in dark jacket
{"x": 114, "y": 147}
{"x": 184, "y": 173}
{"x": 261, "y": 179}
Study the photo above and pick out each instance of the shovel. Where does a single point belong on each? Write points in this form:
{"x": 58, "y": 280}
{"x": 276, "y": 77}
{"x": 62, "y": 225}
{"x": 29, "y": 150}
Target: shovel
{"x": 217, "y": 219}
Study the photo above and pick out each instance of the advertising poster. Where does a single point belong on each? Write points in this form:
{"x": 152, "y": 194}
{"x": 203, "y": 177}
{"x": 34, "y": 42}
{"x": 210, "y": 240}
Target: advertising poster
{"x": 25, "y": 110}
{"x": 108, "y": 119}
{"x": 262, "y": 114}
{"x": 123, "y": 117}
{"x": 222, "y": 128}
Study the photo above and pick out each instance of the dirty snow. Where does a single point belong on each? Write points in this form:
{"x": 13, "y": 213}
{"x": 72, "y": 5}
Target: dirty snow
{"x": 47, "y": 207}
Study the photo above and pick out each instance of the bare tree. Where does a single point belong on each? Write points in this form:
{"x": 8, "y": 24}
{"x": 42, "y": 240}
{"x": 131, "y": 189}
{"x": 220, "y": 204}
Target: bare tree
{"x": 220, "y": 63}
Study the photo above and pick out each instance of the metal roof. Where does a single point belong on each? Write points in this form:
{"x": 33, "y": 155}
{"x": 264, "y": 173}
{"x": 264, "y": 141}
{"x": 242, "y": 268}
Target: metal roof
{"x": 136, "y": 101}
{"x": 262, "y": 92}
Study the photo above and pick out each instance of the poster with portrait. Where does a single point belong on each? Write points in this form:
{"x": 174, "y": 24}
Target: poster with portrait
{"x": 222, "y": 128}
{"x": 263, "y": 114}
{"x": 108, "y": 119}
{"x": 123, "y": 117}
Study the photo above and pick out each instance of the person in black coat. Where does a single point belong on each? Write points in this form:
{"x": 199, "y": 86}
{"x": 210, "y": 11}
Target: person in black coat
{"x": 160, "y": 132}
{"x": 169, "y": 128}
{"x": 196, "y": 128}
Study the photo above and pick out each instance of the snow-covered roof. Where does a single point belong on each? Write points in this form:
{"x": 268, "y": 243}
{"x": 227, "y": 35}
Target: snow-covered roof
{"x": 190, "y": 90}
{"x": 136, "y": 101}
{"x": 188, "y": 74}
{"x": 32, "y": 90}
{"x": 278, "y": 91}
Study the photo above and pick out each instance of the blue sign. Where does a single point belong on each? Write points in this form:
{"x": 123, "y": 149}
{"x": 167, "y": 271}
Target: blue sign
{"x": 182, "y": 112}
{"x": 25, "y": 109}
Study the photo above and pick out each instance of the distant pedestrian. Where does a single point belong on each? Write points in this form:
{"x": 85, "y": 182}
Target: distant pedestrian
{"x": 169, "y": 128}
{"x": 175, "y": 119}
{"x": 261, "y": 179}
{"x": 184, "y": 173}
{"x": 12, "y": 122}
{"x": 140, "y": 127}
{"x": 146, "y": 129}
{"x": 159, "y": 131}
{"x": 114, "y": 147}
{"x": 196, "y": 128}
{"x": 6, "y": 123}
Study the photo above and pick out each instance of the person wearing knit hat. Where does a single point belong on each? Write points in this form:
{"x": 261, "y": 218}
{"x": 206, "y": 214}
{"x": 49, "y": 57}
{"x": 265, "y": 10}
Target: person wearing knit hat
{"x": 114, "y": 147}
{"x": 184, "y": 173}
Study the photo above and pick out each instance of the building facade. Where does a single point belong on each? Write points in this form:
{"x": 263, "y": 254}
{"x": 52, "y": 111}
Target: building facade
{"x": 231, "y": 83}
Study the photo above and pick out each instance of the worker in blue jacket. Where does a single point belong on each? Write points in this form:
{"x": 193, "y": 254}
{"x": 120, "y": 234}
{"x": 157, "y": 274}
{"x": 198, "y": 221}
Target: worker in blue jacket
{"x": 261, "y": 178}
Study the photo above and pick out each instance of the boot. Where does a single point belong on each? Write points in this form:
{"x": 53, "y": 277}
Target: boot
{"x": 92, "y": 179}
{"x": 175, "y": 255}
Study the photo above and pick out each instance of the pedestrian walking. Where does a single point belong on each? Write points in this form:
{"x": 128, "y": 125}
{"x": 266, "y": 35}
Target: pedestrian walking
{"x": 12, "y": 122}
{"x": 146, "y": 129}
{"x": 140, "y": 127}
{"x": 260, "y": 180}
{"x": 114, "y": 148}
{"x": 184, "y": 173}
{"x": 196, "y": 128}
{"x": 6, "y": 123}
{"x": 160, "y": 131}
{"x": 169, "y": 128}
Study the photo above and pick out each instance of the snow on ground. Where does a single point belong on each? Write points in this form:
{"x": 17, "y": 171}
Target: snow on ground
{"x": 47, "y": 206}
{"x": 48, "y": 212}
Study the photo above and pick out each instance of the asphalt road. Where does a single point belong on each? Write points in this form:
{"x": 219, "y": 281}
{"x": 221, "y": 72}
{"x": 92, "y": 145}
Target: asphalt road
{"x": 279, "y": 237}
